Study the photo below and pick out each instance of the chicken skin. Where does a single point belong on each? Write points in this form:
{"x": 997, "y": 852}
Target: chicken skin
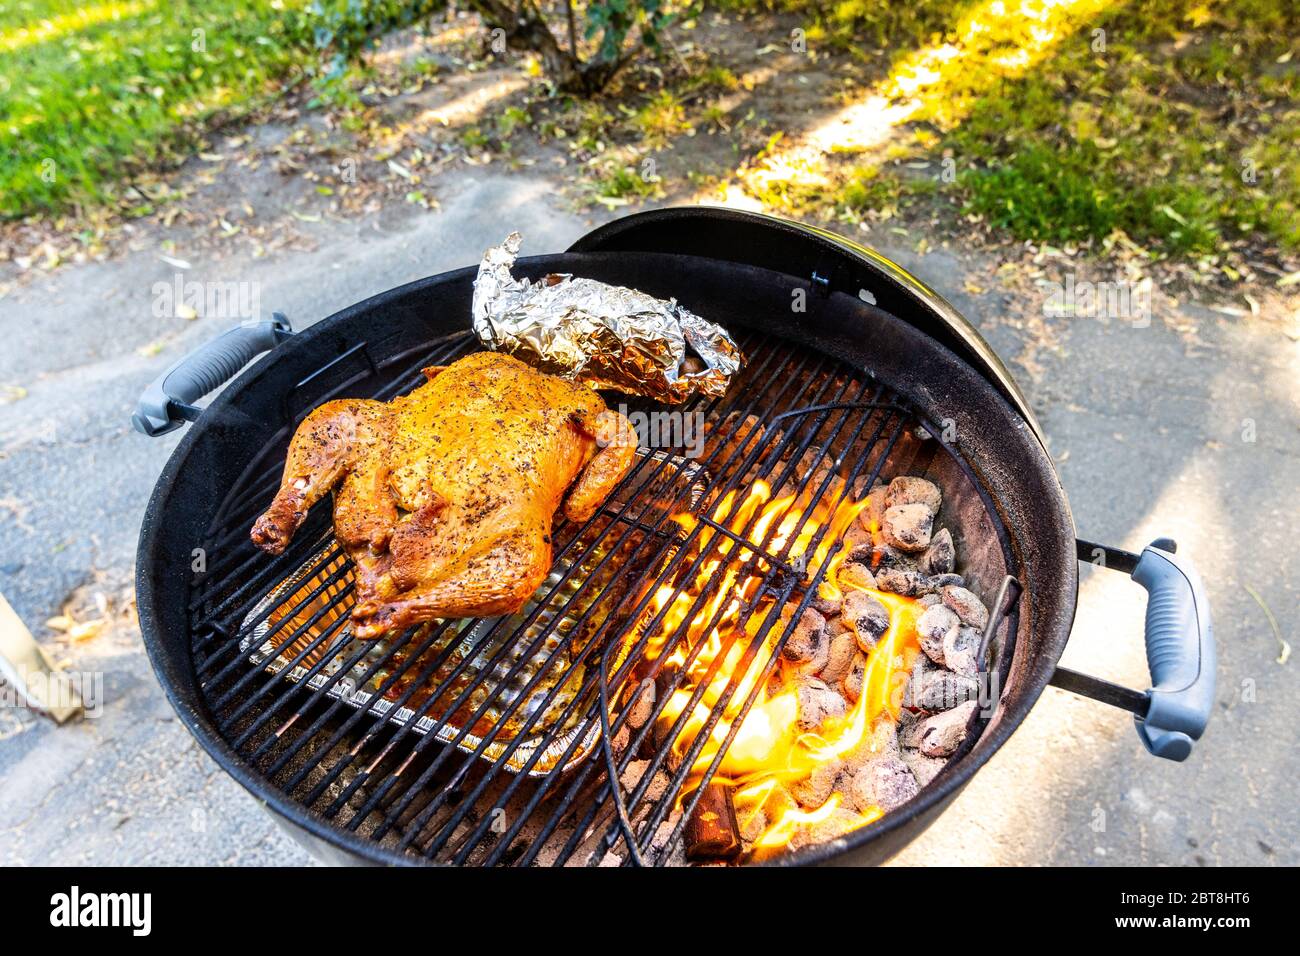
{"x": 446, "y": 496}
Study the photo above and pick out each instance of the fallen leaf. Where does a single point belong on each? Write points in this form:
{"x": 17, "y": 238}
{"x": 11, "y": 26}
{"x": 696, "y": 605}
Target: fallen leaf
{"x": 86, "y": 630}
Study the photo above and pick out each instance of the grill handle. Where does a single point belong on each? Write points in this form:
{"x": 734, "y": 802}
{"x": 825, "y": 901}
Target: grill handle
{"x": 1180, "y": 650}
{"x": 169, "y": 400}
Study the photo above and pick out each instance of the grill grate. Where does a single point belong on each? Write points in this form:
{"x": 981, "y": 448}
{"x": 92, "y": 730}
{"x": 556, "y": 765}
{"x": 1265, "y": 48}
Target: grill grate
{"x": 410, "y": 790}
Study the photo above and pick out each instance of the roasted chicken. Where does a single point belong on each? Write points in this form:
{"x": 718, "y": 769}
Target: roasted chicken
{"x": 446, "y": 496}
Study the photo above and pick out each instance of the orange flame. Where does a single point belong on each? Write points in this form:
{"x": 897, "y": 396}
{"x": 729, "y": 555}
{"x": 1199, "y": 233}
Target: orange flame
{"x": 768, "y": 747}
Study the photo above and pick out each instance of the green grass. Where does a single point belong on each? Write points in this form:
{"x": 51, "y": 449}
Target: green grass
{"x": 1157, "y": 136}
{"x": 112, "y": 88}
{"x": 1181, "y": 132}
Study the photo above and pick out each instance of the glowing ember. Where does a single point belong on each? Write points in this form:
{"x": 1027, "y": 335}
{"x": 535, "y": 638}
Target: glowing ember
{"x": 722, "y": 667}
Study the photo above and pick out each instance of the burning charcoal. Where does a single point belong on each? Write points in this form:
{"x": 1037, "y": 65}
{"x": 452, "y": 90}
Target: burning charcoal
{"x": 860, "y": 489}
{"x": 642, "y": 705}
{"x": 660, "y": 840}
{"x": 823, "y": 604}
{"x": 881, "y": 556}
{"x": 808, "y": 639}
{"x": 843, "y": 645}
{"x": 778, "y": 802}
{"x": 941, "y": 689}
{"x": 742, "y": 438}
{"x": 933, "y": 629}
{"x": 914, "y": 491}
{"x": 621, "y": 739}
{"x": 961, "y": 651}
{"x": 820, "y": 659}
{"x": 827, "y": 482}
{"x": 969, "y": 608}
{"x": 906, "y": 583}
{"x": 884, "y": 782}
{"x": 907, "y": 527}
{"x": 923, "y": 768}
{"x": 880, "y": 740}
{"x": 874, "y": 513}
{"x": 941, "y": 556}
{"x": 855, "y": 574}
{"x": 753, "y": 824}
{"x": 911, "y": 690}
{"x": 940, "y": 581}
{"x": 839, "y": 823}
{"x": 818, "y": 703}
{"x": 633, "y": 773}
{"x": 941, "y": 734}
{"x": 868, "y": 617}
{"x": 631, "y": 776}
{"x": 852, "y": 684}
{"x": 813, "y": 458}
{"x": 815, "y": 789}
{"x": 858, "y": 540}
{"x": 929, "y": 600}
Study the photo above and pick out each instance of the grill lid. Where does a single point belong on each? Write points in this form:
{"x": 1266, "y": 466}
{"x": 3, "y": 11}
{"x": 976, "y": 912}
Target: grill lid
{"x": 830, "y": 262}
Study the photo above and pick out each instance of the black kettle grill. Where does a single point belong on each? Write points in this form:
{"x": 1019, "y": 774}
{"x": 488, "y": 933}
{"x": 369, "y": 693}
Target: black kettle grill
{"x": 877, "y": 370}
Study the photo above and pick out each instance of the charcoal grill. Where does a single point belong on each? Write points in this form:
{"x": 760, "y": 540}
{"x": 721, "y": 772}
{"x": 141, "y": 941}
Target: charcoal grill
{"x": 875, "y": 369}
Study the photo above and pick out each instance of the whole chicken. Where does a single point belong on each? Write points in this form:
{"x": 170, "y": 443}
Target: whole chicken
{"x": 446, "y": 495}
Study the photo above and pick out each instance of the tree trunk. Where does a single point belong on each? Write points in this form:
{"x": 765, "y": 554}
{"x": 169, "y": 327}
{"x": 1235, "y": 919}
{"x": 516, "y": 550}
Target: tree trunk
{"x": 526, "y": 30}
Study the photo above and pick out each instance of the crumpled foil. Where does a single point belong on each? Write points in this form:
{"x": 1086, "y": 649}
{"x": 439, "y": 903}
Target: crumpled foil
{"x": 602, "y": 335}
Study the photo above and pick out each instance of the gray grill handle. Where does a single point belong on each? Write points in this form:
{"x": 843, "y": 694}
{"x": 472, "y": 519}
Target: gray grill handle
{"x": 1180, "y": 650}
{"x": 169, "y": 400}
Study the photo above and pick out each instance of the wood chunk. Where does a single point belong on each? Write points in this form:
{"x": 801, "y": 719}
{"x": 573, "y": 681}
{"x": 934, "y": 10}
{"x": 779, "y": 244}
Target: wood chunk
{"x": 712, "y": 832}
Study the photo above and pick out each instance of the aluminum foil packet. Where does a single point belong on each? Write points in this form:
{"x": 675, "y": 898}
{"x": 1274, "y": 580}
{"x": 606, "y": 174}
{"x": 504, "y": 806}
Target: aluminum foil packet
{"x": 603, "y": 335}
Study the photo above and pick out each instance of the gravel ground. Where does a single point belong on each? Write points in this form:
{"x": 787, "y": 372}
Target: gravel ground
{"x": 1149, "y": 430}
